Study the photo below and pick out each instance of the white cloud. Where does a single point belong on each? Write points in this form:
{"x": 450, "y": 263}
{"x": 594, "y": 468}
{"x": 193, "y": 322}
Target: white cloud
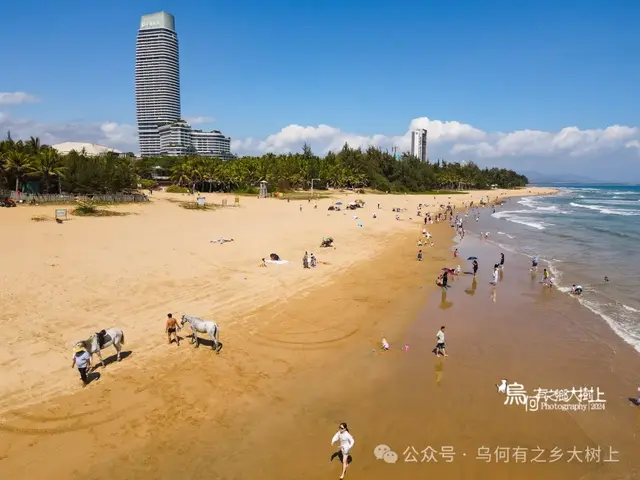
{"x": 599, "y": 151}
{"x": 633, "y": 144}
{"x": 16, "y": 98}
{"x": 199, "y": 120}
{"x": 120, "y": 136}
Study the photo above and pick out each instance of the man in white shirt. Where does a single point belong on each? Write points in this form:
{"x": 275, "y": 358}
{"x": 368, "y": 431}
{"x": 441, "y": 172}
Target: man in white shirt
{"x": 440, "y": 346}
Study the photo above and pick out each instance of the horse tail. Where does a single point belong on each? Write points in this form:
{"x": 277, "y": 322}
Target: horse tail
{"x": 122, "y": 337}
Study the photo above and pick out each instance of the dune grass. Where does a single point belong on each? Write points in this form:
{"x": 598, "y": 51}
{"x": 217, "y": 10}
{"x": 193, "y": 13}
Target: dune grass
{"x": 90, "y": 209}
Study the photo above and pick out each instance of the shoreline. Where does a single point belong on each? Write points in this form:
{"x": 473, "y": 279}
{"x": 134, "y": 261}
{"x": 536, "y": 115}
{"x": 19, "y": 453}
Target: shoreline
{"x": 614, "y": 303}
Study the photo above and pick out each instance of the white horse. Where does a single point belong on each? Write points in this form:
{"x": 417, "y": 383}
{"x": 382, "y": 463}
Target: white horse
{"x": 112, "y": 336}
{"x": 203, "y": 326}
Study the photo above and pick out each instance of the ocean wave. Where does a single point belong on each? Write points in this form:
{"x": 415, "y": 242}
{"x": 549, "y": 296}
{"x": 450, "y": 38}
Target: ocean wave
{"x": 630, "y": 203}
{"x": 512, "y": 216}
{"x": 622, "y": 318}
{"x": 539, "y": 206}
{"x": 607, "y": 211}
{"x": 619, "y": 192}
{"x": 625, "y": 327}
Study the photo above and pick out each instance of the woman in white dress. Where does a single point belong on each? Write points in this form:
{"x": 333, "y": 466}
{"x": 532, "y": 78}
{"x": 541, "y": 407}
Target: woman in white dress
{"x": 346, "y": 444}
{"x": 495, "y": 275}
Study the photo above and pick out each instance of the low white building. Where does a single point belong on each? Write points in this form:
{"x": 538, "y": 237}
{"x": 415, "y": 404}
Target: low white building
{"x": 175, "y": 139}
{"x": 178, "y": 139}
{"x": 89, "y": 149}
{"x": 211, "y": 144}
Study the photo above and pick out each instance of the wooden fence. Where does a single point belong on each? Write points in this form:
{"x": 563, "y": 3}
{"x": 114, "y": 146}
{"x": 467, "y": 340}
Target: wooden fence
{"x": 69, "y": 198}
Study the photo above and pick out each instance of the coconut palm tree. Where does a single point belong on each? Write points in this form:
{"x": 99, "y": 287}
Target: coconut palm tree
{"x": 48, "y": 166}
{"x": 20, "y": 166}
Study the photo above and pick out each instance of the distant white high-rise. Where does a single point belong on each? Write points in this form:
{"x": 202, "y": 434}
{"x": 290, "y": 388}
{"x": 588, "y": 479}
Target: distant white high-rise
{"x": 157, "y": 79}
{"x": 419, "y": 146}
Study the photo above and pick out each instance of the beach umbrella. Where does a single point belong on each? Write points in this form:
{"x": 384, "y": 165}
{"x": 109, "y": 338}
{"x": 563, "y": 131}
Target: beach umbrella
{"x": 472, "y": 258}
{"x": 338, "y": 203}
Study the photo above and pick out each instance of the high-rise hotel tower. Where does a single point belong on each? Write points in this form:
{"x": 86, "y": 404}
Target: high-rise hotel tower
{"x": 157, "y": 79}
{"x": 419, "y": 145}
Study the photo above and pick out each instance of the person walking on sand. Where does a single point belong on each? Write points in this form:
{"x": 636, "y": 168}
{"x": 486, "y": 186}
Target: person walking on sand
{"x": 346, "y": 444}
{"x": 440, "y": 346}
{"x": 455, "y": 253}
{"x": 419, "y": 255}
{"x": 171, "y": 328}
{"x": 82, "y": 360}
{"x": 475, "y": 267}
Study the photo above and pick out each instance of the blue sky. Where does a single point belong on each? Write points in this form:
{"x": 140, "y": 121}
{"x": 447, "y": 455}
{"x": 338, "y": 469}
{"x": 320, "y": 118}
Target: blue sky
{"x": 364, "y": 69}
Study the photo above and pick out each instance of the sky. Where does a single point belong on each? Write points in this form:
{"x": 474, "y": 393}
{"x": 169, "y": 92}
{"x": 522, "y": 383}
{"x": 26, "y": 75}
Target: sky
{"x": 551, "y": 87}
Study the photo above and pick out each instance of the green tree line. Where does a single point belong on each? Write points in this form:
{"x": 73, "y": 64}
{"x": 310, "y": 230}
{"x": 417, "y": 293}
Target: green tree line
{"x": 24, "y": 163}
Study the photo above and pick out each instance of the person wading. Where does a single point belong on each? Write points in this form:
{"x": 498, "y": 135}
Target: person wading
{"x": 82, "y": 360}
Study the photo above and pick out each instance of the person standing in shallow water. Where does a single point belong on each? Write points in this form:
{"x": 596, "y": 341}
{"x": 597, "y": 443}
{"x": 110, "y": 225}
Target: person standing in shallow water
{"x": 346, "y": 444}
{"x": 475, "y": 267}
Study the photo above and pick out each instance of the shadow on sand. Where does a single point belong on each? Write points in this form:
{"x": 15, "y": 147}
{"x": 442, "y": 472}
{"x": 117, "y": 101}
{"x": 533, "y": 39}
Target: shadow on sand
{"x": 207, "y": 342}
{"x": 92, "y": 377}
{"x": 114, "y": 358}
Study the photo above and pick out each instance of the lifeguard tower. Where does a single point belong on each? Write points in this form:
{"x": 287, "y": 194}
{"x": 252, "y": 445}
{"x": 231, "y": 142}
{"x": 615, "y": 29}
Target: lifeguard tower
{"x": 263, "y": 189}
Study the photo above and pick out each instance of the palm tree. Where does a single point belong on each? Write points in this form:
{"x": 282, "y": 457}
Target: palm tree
{"x": 33, "y": 145}
{"x": 48, "y": 165}
{"x": 181, "y": 174}
{"x": 20, "y": 165}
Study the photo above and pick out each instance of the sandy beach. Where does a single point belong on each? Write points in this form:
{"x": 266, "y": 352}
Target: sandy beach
{"x": 301, "y": 347}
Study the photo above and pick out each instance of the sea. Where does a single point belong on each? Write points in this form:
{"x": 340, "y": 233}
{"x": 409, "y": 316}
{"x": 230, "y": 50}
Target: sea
{"x": 582, "y": 234}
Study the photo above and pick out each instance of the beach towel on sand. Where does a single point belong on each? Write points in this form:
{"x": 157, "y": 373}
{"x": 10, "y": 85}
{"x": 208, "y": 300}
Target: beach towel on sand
{"x": 277, "y": 262}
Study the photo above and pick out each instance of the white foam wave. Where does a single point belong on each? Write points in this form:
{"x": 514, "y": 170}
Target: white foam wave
{"x": 607, "y": 211}
{"x": 512, "y": 216}
{"x": 627, "y": 333}
{"x": 508, "y": 235}
{"x": 629, "y": 203}
{"x": 539, "y": 206}
{"x": 624, "y": 326}
{"x": 618, "y": 192}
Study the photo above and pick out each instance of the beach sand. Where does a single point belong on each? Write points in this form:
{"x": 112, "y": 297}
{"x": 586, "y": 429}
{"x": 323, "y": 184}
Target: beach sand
{"x": 301, "y": 349}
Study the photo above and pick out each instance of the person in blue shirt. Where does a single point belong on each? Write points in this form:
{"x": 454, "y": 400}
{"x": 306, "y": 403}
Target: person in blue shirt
{"x": 82, "y": 360}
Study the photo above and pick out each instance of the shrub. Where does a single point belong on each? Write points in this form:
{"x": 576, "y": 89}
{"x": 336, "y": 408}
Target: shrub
{"x": 177, "y": 189}
{"x": 248, "y": 190}
{"x": 146, "y": 183}
{"x": 195, "y": 206}
{"x": 90, "y": 209}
